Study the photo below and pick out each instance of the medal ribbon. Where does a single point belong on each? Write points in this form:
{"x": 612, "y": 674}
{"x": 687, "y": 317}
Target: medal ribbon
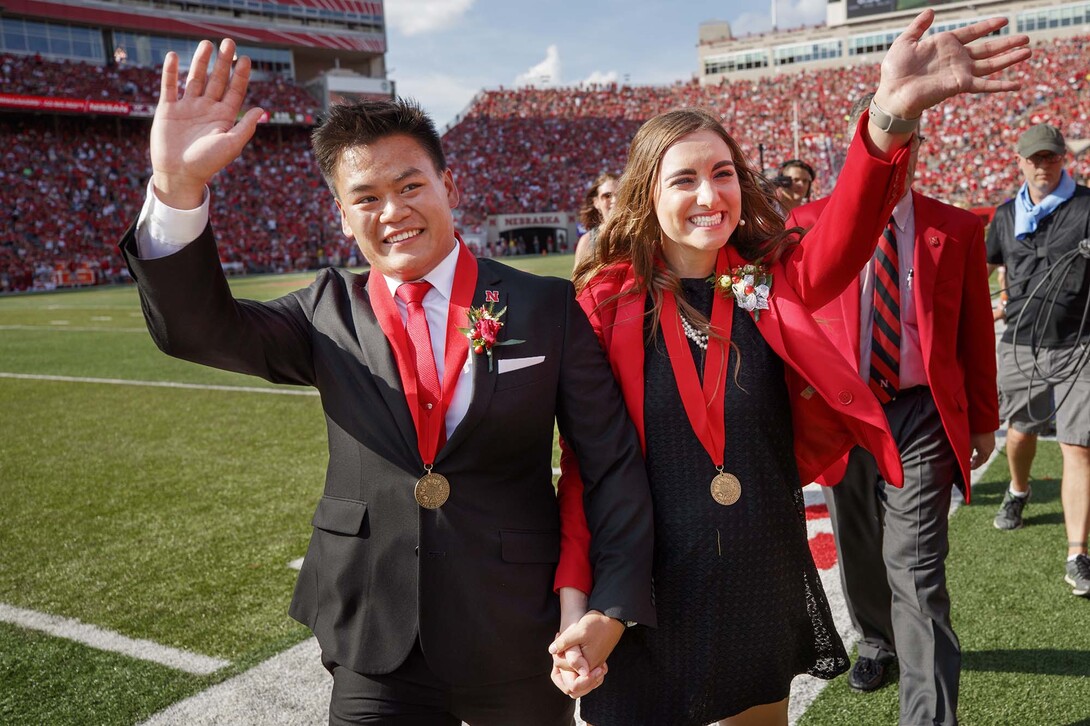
{"x": 704, "y": 409}
{"x": 429, "y": 424}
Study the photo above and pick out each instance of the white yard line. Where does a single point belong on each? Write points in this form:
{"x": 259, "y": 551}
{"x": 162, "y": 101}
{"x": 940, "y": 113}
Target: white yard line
{"x": 107, "y": 640}
{"x": 161, "y": 384}
{"x": 289, "y": 689}
{"x": 62, "y": 326}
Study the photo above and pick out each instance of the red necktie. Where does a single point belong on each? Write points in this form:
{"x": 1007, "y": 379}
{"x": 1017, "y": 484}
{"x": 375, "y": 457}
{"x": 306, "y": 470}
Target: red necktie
{"x": 885, "y": 351}
{"x": 412, "y": 294}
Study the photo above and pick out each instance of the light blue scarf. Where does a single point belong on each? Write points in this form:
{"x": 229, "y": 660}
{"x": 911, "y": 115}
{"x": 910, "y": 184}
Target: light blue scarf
{"x": 1027, "y": 215}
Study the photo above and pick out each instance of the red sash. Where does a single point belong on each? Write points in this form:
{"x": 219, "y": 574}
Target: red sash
{"x": 429, "y": 424}
{"x": 704, "y": 409}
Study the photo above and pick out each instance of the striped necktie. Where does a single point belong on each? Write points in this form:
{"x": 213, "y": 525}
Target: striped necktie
{"x": 885, "y": 351}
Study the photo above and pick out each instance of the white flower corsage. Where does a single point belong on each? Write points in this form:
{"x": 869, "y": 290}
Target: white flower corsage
{"x": 750, "y": 285}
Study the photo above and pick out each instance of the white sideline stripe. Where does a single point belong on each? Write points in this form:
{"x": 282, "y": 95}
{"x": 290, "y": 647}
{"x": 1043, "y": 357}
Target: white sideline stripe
{"x": 96, "y": 637}
{"x": 290, "y": 689}
{"x": 160, "y": 384}
{"x": 62, "y": 326}
{"x": 814, "y": 527}
{"x": 812, "y": 494}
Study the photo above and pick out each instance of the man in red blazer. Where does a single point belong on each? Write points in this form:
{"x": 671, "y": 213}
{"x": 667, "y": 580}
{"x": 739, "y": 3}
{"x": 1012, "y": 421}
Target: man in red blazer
{"x": 934, "y": 371}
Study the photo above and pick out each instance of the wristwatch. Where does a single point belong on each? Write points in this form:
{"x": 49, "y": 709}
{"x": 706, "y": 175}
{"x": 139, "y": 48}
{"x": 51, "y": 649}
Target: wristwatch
{"x": 892, "y": 124}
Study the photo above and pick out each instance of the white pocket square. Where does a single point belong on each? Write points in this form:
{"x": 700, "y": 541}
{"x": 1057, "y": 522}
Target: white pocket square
{"x": 506, "y": 365}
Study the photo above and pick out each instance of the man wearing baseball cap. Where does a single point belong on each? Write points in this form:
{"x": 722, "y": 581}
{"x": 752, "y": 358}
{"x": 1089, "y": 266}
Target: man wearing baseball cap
{"x": 1044, "y": 361}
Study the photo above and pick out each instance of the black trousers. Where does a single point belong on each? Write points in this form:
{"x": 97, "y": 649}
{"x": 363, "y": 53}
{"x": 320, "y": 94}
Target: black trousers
{"x": 413, "y": 695}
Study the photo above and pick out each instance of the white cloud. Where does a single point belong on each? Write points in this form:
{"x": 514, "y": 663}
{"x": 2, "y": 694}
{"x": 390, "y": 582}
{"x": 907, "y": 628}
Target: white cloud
{"x": 413, "y": 17}
{"x": 747, "y": 23}
{"x": 545, "y": 73}
{"x": 796, "y": 13}
{"x": 600, "y": 78}
{"x": 789, "y": 14}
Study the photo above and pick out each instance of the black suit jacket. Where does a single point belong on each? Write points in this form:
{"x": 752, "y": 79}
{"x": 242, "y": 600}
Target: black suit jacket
{"x": 472, "y": 579}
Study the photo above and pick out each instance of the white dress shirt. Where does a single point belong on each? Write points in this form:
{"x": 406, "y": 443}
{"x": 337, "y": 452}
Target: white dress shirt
{"x": 162, "y": 230}
{"x": 912, "y": 371}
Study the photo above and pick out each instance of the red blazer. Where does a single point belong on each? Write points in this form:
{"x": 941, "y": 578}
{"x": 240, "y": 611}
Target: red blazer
{"x": 832, "y": 408}
{"x": 954, "y": 314}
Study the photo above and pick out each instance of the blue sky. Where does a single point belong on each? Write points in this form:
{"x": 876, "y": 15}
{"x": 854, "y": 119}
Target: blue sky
{"x": 442, "y": 52}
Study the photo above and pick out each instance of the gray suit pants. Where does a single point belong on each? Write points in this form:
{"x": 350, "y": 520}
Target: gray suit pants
{"x": 892, "y": 545}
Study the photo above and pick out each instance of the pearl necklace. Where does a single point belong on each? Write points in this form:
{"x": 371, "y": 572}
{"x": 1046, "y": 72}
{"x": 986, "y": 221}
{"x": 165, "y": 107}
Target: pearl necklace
{"x": 701, "y": 339}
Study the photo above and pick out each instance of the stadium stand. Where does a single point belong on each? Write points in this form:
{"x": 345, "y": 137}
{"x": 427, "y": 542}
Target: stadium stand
{"x": 31, "y": 75}
{"x": 72, "y": 183}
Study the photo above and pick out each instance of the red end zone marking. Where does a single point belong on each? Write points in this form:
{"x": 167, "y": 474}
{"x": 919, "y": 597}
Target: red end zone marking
{"x": 822, "y": 544}
{"x": 823, "y": 548}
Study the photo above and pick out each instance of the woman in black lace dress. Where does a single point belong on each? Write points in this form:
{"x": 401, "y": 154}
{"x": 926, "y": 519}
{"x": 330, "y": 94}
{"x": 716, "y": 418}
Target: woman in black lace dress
{"x": 703, "y": 301}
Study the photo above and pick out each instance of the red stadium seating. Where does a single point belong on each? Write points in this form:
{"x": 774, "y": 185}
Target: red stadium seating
{"x": 71, "y": 183}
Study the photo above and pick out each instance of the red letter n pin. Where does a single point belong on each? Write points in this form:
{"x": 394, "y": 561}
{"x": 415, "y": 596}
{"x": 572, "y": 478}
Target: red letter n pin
{"x": 491, "y": 296}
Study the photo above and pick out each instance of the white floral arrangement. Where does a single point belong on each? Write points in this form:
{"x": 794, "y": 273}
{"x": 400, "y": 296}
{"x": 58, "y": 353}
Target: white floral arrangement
{"x": 751, "y": 286}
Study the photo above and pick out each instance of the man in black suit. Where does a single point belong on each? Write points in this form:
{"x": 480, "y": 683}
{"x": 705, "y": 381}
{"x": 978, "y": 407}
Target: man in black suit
{"x": 428, "y": 580}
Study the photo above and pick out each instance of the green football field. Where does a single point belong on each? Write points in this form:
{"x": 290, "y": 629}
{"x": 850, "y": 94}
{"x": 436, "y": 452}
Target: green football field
{"x": 160, "y": 501}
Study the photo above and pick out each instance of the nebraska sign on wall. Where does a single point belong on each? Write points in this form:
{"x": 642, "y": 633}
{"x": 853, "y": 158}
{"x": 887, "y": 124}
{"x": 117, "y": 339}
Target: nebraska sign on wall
{"x": 68, "y": 105}
{"x": 534, "y": 233}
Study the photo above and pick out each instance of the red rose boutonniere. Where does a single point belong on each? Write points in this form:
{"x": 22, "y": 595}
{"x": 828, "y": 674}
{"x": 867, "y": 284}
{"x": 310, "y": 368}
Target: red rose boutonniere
{"x": 750, "y": 285}
{"x": 484, "y": 326}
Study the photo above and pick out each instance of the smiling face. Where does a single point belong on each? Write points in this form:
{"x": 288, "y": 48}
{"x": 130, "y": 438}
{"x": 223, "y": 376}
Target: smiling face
{"x": 396, "y": 205}
{"x": 698, "y": 202}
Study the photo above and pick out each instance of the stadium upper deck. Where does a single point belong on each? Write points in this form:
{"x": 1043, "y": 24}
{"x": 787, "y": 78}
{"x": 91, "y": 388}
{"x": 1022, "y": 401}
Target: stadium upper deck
{"x": 861, "y": 31}
{"x": 335, "y": 48}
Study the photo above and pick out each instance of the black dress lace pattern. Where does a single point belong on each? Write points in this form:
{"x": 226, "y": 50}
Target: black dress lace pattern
{"x": 740, "y": 603}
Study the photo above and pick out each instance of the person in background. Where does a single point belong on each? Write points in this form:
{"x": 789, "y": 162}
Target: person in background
{"x": 916, "y": 324}
{"x": 597, "y": 204}
{"x": 1043, "y": 355}
{"x": 794, "y": 184}
{"x": 704, "y": 305}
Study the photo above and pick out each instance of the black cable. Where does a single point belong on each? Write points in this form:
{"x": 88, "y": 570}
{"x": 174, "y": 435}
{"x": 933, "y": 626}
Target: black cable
{"x": 1083, "y": 249}
{"x": 1055, "y": 275}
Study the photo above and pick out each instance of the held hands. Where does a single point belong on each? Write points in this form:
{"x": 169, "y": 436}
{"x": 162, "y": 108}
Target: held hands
{"x": 194, "y": 137}
{"x": 919, "y": 72}
{"x": 579, "y": 653}
{"x": 573, "y": 675}
{"x": 981, "y": 446}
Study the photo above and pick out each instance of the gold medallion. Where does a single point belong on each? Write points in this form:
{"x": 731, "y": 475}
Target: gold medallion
{"x": 726, "y": 489}
{"x": 432, "y": 490}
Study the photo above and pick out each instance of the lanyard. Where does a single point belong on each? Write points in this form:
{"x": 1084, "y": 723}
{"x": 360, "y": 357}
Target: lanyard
{"x": 429, "y": 424}
{"x": 704, "y": 408}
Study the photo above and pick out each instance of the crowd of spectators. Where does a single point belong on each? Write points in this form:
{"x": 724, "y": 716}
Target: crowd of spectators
{"x": 32, "y": 75}
{"x": 72, "y": 184}
{"x": 505, "y": 149}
